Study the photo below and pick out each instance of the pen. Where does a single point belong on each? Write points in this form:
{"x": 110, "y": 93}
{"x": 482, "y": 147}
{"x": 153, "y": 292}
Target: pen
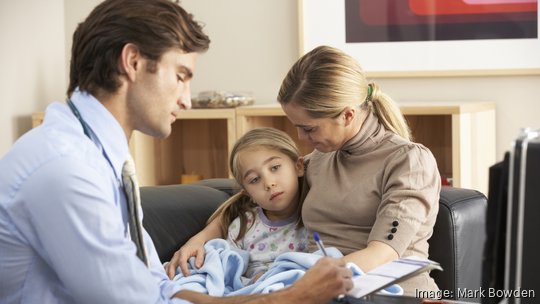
{"x": 319, "y": 242}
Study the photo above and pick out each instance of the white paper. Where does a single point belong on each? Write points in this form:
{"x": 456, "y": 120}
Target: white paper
{"x": 388, "y": 274}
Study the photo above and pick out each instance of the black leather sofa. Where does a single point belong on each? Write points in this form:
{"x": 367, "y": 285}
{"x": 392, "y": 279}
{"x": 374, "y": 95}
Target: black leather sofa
{"x": 172, "y": 214}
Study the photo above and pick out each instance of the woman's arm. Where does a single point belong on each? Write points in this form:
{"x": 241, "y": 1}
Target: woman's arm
{"x": 411, "y": 190}
{"x": 194, "y": 247}
{"x": 375, "y": 254}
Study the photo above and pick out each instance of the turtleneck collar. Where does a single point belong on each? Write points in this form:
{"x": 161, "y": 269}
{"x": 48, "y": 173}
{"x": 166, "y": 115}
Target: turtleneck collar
{"x": 367, "y": 137}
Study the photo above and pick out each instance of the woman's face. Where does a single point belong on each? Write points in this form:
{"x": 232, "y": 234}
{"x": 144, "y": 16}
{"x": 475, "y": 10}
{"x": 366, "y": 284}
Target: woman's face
{"x": 324, "y": 134}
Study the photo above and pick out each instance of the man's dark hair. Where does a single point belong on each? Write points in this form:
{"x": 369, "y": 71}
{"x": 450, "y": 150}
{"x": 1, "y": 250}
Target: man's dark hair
{"x": 154, "y": 26}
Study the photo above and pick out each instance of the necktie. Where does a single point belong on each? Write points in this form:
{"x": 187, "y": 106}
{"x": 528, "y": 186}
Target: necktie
{"x": 131, "y": 187}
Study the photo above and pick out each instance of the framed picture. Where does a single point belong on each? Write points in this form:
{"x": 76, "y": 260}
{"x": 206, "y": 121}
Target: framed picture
{"x": 401, "y": 38}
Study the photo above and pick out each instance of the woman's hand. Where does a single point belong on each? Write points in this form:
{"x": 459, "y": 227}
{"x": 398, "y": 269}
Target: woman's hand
{"x": 193, "y": 248}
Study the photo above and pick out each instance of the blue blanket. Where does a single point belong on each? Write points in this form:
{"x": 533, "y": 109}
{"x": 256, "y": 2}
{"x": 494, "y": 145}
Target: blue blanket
{"x": 221, "y": 274}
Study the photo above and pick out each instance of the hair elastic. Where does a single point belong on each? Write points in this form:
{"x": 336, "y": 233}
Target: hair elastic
{"x": 369, "y": 92}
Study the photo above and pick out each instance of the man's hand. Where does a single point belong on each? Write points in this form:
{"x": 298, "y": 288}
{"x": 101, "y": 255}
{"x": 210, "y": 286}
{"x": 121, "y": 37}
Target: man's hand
{"x": 327, "y": 279}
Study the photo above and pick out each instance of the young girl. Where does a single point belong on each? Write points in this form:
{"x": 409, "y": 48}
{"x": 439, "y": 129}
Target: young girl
{"x": 264, "y": 217}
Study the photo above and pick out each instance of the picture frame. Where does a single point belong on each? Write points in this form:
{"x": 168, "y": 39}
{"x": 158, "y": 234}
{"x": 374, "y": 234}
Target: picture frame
{"x": 322, "y": 22}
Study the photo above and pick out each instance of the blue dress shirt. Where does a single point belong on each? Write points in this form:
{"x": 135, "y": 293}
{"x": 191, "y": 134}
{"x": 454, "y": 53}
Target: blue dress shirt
{"x": 63, "y": 219}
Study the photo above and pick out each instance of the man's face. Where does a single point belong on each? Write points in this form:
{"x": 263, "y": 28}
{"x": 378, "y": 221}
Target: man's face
{"x": 160, "y": 91}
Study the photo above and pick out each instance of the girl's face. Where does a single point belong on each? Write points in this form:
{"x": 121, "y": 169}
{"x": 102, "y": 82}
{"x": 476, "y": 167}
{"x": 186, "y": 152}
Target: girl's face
{"x": 324, "y": 134}
{"x": 271, "y": 180}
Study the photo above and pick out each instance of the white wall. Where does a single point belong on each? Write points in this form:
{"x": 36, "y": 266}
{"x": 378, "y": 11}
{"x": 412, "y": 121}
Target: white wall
{"x": 255, "y": 42}
{"x": 75, "y": 11}
{"x": 32, "y": 63}
{"x": 253, "y": 45}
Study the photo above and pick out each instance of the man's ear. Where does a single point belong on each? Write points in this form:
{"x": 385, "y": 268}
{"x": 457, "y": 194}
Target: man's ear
{"x": 348, "y": 115}
{"x": 300, "y": 168}
{"x": 129, "y": 62}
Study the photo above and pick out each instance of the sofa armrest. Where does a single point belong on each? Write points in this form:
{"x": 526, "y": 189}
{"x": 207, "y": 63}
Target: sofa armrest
{"x": 174, "y": 213}
{"x": 458, "y": 240}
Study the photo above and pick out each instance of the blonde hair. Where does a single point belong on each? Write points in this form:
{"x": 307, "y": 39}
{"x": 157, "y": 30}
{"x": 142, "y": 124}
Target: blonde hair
{"x": 241, "y": 203}
{"x": 326, "y": 80}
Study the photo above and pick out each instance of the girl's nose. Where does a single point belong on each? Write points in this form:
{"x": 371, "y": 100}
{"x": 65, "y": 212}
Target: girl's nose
{"x": 270, "y": 185}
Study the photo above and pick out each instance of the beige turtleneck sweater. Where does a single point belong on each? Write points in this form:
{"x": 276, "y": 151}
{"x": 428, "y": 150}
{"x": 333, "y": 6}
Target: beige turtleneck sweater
{"x": 377, "y": 181}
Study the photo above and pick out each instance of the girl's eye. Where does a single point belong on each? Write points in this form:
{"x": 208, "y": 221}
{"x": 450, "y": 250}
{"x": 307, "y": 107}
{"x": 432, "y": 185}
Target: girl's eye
{"x": 308, "y": 130}
{"x": 180, "y": 77}
{"x": 253, "y": 180}
{"x": 275, "y": 167}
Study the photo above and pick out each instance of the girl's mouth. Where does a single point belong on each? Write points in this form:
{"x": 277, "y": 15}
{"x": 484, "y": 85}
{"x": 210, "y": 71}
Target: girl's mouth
{"x": 276, "y": 194}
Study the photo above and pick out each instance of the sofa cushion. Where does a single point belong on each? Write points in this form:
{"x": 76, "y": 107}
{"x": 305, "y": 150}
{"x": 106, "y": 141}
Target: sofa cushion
{"x": 169, "y": 225}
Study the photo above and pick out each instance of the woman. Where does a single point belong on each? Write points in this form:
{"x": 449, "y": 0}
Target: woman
{"x": 373, "y": 193}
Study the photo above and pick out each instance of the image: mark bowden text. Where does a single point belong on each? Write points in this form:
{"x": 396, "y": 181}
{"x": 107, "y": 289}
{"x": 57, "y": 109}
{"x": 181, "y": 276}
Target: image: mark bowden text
{"x": 463, "y": 293}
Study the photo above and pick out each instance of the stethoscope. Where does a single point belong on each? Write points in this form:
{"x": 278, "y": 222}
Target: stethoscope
{"x": 77, "y": 114}
{"x": 86, "y": 129}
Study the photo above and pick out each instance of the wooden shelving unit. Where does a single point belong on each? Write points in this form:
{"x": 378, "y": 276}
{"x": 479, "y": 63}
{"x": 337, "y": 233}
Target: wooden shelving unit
{"x": 250, "y": 117}
{"x": 199, "y": 144}
{"x": 461, "y": 136}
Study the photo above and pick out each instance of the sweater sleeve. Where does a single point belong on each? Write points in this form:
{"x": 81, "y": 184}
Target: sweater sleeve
{"x": 410, "y": 193}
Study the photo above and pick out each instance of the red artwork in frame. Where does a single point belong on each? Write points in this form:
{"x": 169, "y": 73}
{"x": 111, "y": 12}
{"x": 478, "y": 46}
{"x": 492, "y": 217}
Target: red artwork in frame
{"x": 421, "y": 20}
{"x": 406, "y": 38}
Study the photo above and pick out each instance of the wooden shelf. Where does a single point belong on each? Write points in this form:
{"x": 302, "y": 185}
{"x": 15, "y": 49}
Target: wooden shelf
{"x": 250, "y": 117}
{"x": 37, "y": 118}
{"x": 199, "y": 144}
{"x": 461, "y": 136}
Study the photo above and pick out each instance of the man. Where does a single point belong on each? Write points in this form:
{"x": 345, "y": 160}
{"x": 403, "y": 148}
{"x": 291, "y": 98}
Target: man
{"x": 64, "y": 233}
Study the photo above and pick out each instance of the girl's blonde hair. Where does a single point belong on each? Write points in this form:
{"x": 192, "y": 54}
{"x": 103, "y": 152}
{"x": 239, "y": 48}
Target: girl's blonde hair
{"x": 326, "y": 80}
{"x": 241, "y": 203}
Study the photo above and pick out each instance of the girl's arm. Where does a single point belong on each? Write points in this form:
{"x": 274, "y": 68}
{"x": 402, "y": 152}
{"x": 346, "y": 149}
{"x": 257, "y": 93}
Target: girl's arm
{"x": 194, "y": 247}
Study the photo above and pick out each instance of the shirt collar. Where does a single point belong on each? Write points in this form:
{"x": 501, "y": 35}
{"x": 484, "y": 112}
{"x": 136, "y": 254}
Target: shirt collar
{"x": 104, "y": 126}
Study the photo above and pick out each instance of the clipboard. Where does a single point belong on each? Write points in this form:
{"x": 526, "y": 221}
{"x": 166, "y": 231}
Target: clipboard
{"x": 390, "y": 273}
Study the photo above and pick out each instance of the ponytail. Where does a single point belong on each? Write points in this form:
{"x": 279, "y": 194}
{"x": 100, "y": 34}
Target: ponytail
{"x": 387, "y": 111}
{"x": 236, "y": 206}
